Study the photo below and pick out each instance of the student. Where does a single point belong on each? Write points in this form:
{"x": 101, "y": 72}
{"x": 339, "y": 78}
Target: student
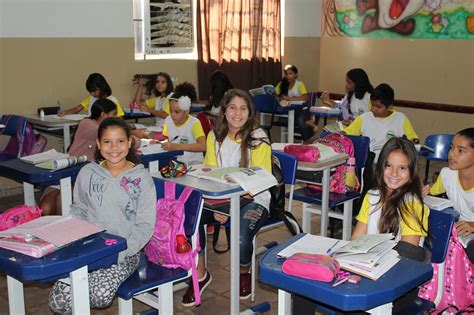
{"x": 236, "y": 141}
{"x": 380, "y": 124}
{"x": 219, "y": 84}
{"x": 291, "y": 89}
{"x": 119, "y": 196}
{"x": 84, "y": 143}
{"x": 357, "y": 98}
{"x": 457, "y": 181}
{"x": 184, "y": 132}
{"x": 158, "y": 105}
{"x": 98, "y": 87}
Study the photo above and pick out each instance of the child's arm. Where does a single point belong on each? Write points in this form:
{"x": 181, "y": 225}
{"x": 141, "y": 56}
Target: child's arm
{"x": 79, "y": 206}
{"x": 412, "y": 239}
{"x": 326, "y": 100}
{"x": 359, "y": 230}
{"x": 145, "y": 107}
{"x": 303, "y": 97}
{"x": 138, "y": 94}
{"x": 199, "y": 146}
{"x": 465, "y": 227}
{"x": 74, "y": 110}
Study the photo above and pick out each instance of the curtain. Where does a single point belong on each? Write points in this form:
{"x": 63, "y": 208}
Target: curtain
{"x": 241, "y": 38}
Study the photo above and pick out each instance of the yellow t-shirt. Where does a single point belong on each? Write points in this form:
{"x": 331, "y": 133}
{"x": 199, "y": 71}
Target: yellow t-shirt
{"x": 298, "y": 89}
{"x": 89, "y": 101}
{"x": 370, "y": 215}
{"x": 151, "y": 103}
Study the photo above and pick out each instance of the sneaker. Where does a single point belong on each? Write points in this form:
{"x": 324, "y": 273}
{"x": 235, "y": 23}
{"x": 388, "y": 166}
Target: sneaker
{"x": 245, "y": 285}
{"x": 188, "y": 297}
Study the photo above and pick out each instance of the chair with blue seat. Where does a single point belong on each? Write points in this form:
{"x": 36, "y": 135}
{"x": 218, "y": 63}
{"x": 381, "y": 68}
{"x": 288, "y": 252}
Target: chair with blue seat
{"x": 441, "y": 144}
{"x": 313, "y": 197}
{"x": 440, "y": 225}
{"x": 151, "y": 277}
{"x": 288, "y": 165}
{"x": 266, "y": 104}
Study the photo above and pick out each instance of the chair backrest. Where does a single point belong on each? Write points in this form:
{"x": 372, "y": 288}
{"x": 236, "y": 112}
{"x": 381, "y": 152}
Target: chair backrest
{"x": 206, "y": 123}
{"x": 193, "y": 205}
{"x": 288, "y": 164}
{"x": 440, "y": 225}
{"x": 265, "y": 103}
{"x": 441, "y": 144}
{"x": 312, "y": 98}
{"x": 361, "y": 149}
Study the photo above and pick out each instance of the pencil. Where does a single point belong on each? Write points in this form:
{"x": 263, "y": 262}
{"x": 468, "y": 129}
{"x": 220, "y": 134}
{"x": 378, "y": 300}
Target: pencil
{"x": 333, "y": 245}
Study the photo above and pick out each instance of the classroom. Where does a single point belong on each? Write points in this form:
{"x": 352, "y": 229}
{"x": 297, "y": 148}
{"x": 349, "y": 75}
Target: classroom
{"x": 48, "y": 48}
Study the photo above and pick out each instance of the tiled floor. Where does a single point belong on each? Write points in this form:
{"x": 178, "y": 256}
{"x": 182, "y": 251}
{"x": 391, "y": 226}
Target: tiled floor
{"x": 215, "y": 298}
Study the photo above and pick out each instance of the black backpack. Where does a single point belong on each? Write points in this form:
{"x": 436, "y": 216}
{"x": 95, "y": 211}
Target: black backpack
{"x": 277, "y": 209}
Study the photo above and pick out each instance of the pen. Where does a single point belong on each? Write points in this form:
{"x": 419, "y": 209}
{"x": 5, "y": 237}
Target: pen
{"x": 339, "y": 282}
{"x": 333, "y": 245}
{"x": 171, "y": 139}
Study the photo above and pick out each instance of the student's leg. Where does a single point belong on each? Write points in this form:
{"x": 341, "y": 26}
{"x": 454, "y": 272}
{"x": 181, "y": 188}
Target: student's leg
{"x": 57, "y": 207}
{"x": 48, "y": 200}
{"x": 252, "y": 217}
{"x": 302, "y": 116}
{"x": 103, "y": 285}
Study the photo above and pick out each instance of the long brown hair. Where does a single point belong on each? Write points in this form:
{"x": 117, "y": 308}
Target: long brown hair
{"x": 395, "y": 204}
{"x": 245, "y": 133}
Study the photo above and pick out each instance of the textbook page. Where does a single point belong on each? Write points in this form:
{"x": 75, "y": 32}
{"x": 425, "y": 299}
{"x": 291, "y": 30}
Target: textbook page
{"x": 363, "y": 244}
{"x": 253, "y": 180}
{"x": 312, "y": 244}
{"x": 370, "y": 259}
{"x": 385, "y": 263}
{"x": 465, "y": 239}
{"x": 43, "y": 157}
{"x": 437, "y": 203}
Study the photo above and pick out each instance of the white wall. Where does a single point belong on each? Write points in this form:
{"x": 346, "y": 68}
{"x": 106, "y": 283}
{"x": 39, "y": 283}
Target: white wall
{"x": 303, "y": 18}
{"x": 66, "y": 18}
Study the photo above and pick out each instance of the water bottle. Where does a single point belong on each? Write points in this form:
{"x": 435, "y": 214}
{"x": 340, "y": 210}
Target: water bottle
{"x": 41, "y": 114}
{"x": 351, "y": 180}
{"x": 183, "y": 245}
{"x": 132, "y": 106}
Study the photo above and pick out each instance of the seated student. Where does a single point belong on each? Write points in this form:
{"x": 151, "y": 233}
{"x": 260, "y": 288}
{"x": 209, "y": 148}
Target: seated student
{"x": 357, "y": 98}
{"x": 292, "y": 89}
{"x": 394, "y": 206}
{"x": 236, "y": 141}
{"x": 98, "y": 87}
{"x": 457, "y": 181}
{"x": 161, "y": 86}
{"x": 380, "y": 124}
{"x": 84, "y": 142}
{"x": 184, "y": 132}
{"x": 219, "y": 85}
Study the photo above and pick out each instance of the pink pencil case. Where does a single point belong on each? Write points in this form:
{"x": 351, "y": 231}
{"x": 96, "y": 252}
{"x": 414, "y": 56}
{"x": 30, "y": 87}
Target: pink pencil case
{"x": 18, "y": 215}
{"x": 303, "y": 153}
{"x": 311, "y": 266}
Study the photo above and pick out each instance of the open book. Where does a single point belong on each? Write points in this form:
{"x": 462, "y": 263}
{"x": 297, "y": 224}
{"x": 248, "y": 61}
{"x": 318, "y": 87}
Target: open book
{"x": 324, "y": 110}
{"x": 437, "y": 203}
{"x": 43, "y": 157}
{"x": 285, "y": 103}
{"x": 465, "y": 239}
{"x": 253, "y": 180}
{"x": 46, "y": 234}
{"x": 334, "y": 127}
{"x": 265, "y": 89}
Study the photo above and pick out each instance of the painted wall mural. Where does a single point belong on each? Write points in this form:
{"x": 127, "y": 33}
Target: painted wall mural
{"x": 431, "y": 19}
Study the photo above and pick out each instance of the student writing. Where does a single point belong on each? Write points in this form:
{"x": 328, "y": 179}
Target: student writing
{"x": 119, "y": 196}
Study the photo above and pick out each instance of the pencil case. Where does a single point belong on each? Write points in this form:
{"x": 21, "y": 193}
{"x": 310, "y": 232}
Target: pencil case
{"x": 303, "y": 153}
{"x": 18, "y": 215}
{"x": 311, "y": 266}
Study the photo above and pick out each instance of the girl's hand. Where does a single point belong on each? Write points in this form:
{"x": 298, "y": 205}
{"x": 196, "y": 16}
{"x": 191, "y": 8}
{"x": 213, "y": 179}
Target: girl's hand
{"x": 140, "y": 133}
{"x": 325, "y": 97}
{"x": 61, "y": 113}
{"x": 425, "y": 190}
{"x": 168, "y": 146}
{"x": 221, "y": 218}
{"x": 285, "y": 98}
{"x": 465, "y": 227}
{"x": 144, "y": 108}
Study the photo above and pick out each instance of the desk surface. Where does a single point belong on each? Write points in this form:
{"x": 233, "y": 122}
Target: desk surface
{"x": 319, "y": 165}
{"x": 50, "y": 121}
{"x": 404, "y": 276}
{"x": 285, "y": 109}
{"x": 21, "y": 171}
{"x": 90, "y": 251}
{"x": 164, "y": 157}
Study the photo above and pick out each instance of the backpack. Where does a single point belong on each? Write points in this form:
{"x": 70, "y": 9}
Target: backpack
{"x": 340, "y": 144}
{"x": 26, "y": 142}
{"x": 458, "y": 286}
{"x": 161, "y": 249}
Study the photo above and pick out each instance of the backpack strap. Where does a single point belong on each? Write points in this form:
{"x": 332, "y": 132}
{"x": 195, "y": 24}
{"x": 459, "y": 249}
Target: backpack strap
{"x": 185, "y": 194}
{"x": 170, "y": 189}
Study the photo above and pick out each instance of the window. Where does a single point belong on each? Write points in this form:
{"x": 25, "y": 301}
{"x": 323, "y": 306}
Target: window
{"x": 164, "y": 29}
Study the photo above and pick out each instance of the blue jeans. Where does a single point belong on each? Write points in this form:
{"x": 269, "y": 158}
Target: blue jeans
{"x": 252, "y": 217}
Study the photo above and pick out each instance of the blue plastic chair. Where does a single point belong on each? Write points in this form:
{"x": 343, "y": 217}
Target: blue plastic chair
{"x": 149, "y": 276}
{"x": 440, "y": 225}
{"x": 307, "y": 196}
{"x": 288, "y": 164}
{"x": 266, "y": 104}
{"x": 441, "y": 144}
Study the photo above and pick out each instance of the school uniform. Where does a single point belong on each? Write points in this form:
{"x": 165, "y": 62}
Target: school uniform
{"x": 90, "y": 100}
{"x": 160, "y": 103}
{"x": 298, "y": 89}
{"x": 358, "y": 106}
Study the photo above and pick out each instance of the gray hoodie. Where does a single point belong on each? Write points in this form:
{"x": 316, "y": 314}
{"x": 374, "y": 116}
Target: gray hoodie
{"x": 123, "y": 206}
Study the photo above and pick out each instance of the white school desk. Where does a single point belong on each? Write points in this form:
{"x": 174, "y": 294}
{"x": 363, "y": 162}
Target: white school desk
{"x": 48, "y": 123}
{"x": 286, "y": 111}
{"x": 215, "y": 190}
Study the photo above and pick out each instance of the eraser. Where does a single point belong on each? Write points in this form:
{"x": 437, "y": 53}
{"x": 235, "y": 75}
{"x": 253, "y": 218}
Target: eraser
{"x": 354, "y": 279}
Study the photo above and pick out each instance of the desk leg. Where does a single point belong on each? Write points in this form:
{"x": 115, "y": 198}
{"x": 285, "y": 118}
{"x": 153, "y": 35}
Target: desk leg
{"x": 291, "y": 126}
{"x": 66, "y": 195}
{"x": 80, "y": 291}
{"x": 381, "y": 310}
{"x": 16, "y": 300}
{"x": 235, "y": 255}
{"x": 29, "y": 194}
{"x": 325, "y": 202}
{"x": 153, "y": 167}
{"x": 284, "y": 302}
{"x": 67, "y": 137}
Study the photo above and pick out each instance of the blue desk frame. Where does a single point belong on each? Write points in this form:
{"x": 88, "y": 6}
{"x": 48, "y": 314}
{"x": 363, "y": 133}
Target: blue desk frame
{"x": 156, "y": 160}
{"x": 74, "y": 260}
{"x": 367, "y": 295}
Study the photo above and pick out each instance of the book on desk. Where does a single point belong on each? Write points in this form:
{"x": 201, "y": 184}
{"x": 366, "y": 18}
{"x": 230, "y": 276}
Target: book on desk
{"x": 371, "y": 255}
{"x": 253, "y": 180}
{"x": 53, "y": 160}
{"x": 46, "y": 234}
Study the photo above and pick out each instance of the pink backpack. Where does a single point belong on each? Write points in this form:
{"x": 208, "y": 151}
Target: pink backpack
{"x": 340, "y": 144}
{"x": 18, "y": 215}
{"x": 161, "y": 249}
{"x": 458, "y": 290}
{"x": 26, "y": 142}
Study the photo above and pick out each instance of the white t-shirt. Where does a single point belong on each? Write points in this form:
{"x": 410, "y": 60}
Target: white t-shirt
{"x": 358, "y": 106}
{"x": 185, "y": 134}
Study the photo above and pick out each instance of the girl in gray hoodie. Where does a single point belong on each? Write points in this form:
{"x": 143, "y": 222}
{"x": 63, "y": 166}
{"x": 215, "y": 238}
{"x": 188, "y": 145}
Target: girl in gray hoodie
{"x": 118, "y": 195}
